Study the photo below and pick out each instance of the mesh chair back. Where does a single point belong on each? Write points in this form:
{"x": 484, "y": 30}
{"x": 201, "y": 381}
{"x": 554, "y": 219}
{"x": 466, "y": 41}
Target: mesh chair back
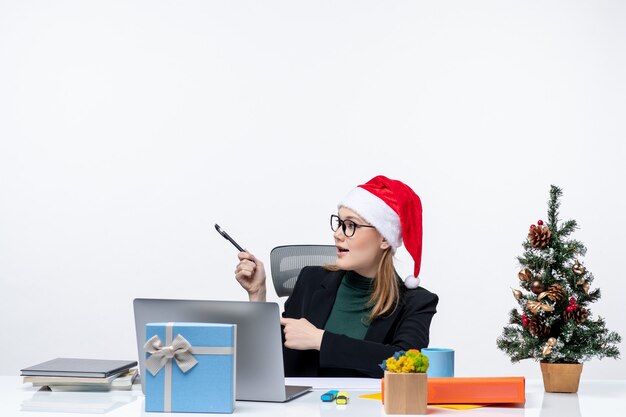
{"x": 287, "y": 261}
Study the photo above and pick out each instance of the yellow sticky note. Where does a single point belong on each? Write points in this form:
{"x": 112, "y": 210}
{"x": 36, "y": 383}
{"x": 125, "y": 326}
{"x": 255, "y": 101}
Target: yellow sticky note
{"x": 376, "y": 396}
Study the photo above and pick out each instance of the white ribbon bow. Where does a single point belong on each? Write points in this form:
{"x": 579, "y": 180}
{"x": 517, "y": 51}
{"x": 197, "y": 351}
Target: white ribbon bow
{"x": 180, "y": 351}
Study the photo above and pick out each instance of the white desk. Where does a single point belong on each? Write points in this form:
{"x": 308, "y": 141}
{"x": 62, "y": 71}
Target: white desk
{"x": 594, "y": 398}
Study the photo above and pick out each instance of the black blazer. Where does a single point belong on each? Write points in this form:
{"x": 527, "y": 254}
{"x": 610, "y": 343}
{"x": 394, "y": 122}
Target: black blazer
{"x": 313, "y": 298}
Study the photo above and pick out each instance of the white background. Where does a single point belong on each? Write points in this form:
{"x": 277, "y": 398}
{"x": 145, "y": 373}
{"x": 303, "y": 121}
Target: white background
{"x": 127, "y": 128}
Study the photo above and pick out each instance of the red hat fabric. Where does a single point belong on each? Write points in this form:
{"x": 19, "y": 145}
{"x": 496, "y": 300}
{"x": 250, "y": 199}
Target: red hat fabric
{"x": 394, "y": 209}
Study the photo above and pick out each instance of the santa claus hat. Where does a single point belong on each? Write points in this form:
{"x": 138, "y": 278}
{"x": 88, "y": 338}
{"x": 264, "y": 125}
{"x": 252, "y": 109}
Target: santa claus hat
{"x": 394, "y": 209}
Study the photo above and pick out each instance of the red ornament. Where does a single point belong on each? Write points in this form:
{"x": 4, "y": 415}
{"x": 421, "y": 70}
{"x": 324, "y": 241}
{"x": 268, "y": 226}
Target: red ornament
{"x": 572, "y": 301}
{"x": 571, "y": 308}
{"x": 524, "y": 320}
{"x": 532, "y": 226}
{"x": 540, "y": 222}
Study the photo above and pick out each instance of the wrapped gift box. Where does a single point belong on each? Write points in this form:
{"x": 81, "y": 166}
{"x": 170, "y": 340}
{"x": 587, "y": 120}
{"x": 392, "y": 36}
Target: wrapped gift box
{"x": 190, "y": 367}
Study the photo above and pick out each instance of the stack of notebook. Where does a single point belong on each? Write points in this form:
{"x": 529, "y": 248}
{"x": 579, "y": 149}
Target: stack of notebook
{"x": 70, "y": 374}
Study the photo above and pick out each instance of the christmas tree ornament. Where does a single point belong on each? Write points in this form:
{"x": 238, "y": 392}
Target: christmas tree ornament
{"x": 537, "y": 327}
{"x": 581, "y": 315}
{"x": 535, "y": 306}
{"x": 582, "y": 282}
{"x": 516, "y": 293}
{"x": 586, "y": 287}
{"x": 576, "y": 313}
{"x": 540, "y": 222}
{"x": 554, "y": 293}
{"x": 578, "y": 268}
{"x": 524, "y": 320}
{"x": 547, "y": 349}
{"x": 525, "y": 275}
{"x": 539, "y": 236}
{"x": 537, "y": 287}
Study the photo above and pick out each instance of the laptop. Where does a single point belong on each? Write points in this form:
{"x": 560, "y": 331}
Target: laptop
{"x": 260, "y": 374}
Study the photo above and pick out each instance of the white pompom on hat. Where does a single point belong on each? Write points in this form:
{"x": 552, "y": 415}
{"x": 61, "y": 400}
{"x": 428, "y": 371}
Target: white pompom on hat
{"x": 394, "y": 209}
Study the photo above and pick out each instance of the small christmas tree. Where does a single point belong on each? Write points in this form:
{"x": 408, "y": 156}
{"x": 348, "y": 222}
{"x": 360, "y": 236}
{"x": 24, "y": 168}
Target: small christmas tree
{"x": 554, "y": 323}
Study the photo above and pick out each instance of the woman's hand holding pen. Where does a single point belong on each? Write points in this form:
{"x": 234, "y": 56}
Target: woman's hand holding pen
{"x": 250, "y": 273}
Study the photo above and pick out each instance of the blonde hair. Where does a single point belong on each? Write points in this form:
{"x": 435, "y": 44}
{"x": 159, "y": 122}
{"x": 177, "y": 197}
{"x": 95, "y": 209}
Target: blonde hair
{"x": 386, "y": 294}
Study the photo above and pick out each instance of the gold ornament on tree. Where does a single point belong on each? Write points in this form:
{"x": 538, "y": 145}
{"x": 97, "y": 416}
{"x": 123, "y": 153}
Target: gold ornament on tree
{"x": 547, "y": 349}
{"x": 516, "y": 293}
{"x": 582, "y": 282}
{"x": 525, "y": 275}
{"x": 537, "y": 286}
{"x": 539, "y": 236}
{"x": 535, "y": 306}
{"x": 586, "y": 287}
{"x": 578, "y": 268}
{"x": 554, "y": 293}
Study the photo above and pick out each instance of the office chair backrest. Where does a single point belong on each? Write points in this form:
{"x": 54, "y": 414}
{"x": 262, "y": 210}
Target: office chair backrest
{"x": 287, "y": 261}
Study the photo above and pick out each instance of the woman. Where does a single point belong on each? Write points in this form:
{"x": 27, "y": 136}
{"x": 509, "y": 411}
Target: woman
{"x": 345, "y": 319}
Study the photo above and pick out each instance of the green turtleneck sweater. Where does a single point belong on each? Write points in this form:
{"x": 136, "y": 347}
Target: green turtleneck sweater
{"x": 350, "y": 312}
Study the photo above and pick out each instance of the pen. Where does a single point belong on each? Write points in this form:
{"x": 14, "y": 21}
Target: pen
{"x": 227, "y": 237}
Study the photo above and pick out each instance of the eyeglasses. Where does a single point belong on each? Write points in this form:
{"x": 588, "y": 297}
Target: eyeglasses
{"x": 347, "y": 226}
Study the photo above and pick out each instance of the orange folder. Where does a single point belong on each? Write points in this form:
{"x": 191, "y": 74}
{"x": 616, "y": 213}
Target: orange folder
{"x": 479, "y": 390}
{"x": 488, "y": 390}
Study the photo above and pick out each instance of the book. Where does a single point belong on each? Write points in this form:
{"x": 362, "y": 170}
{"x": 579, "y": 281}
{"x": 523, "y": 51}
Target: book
{"x": 73, "y": 367}
{"x": 123, "y": 381}
{"x": 45, "y": 380}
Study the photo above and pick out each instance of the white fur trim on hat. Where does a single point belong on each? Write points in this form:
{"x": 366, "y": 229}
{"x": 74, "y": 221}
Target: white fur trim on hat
{"x": 377, "y": 213}
{"x": 411, "y": 282}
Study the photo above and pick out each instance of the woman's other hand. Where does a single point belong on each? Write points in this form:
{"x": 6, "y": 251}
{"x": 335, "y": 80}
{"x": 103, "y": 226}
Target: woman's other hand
{"x": 300, "y": 334}
{"x": 250, "y": 273}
